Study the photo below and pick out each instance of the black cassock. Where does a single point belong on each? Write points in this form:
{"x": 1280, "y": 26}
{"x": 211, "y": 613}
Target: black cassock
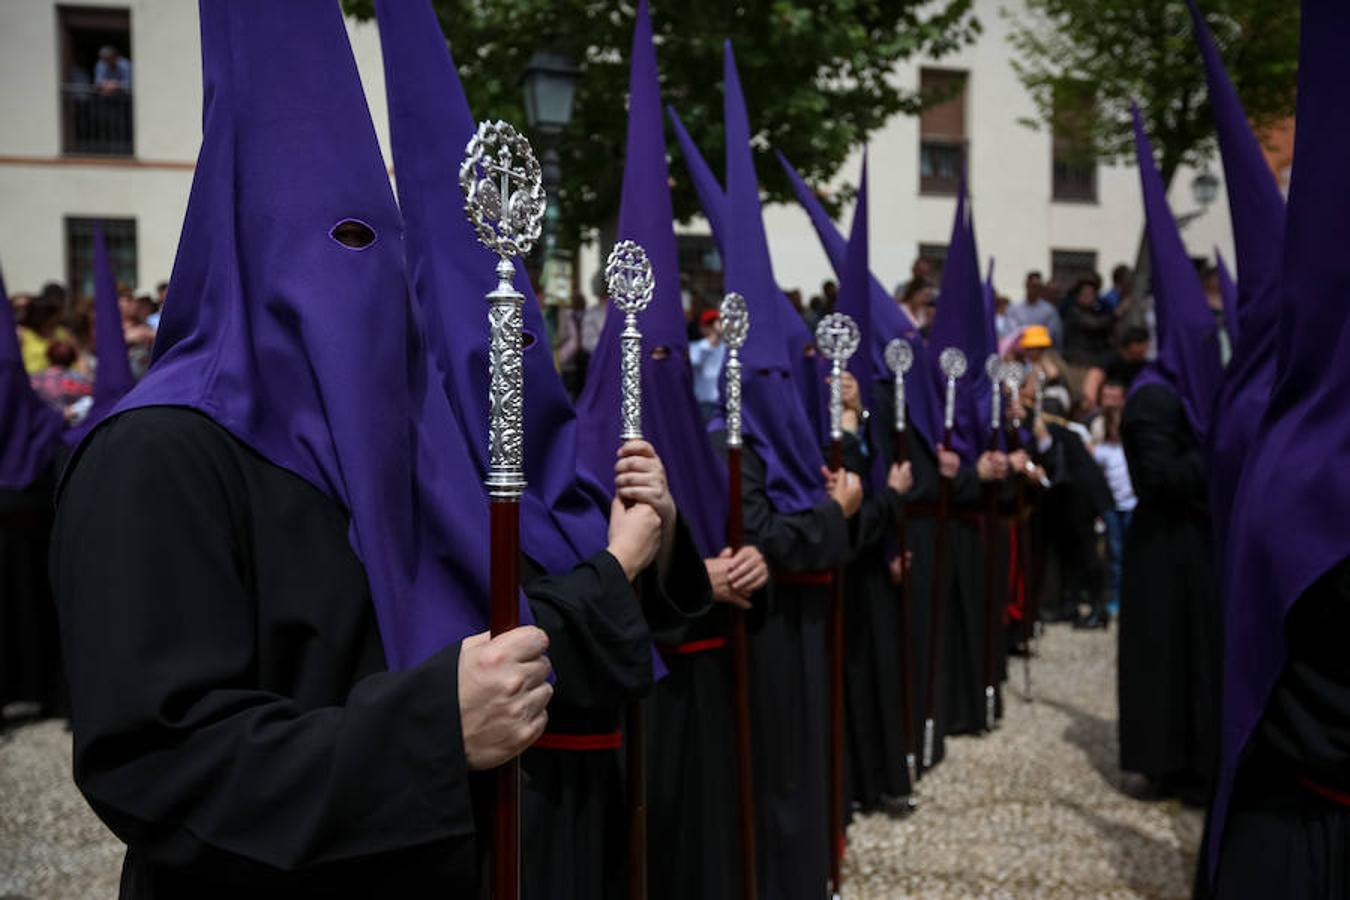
{"x": 1169, "y": 618}
{"x": 873, "y": 655}
{"x": 30, "y": 645}
{"x": 1288, "y": 830}
{"x": 234, "y": 720}
{"x": 694, "y": 847}
{"x": 235, "y": 723}
{"x": 601, "y": 637}
{"x": 789, "y": 686}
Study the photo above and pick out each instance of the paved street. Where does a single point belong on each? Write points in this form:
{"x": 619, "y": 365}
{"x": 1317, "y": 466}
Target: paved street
{"x": 1036, "y": 810}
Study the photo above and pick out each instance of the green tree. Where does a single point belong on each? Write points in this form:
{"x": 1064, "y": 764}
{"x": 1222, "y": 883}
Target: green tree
{"x": 816, "y": 73}
{"x": 1104, "y": 55}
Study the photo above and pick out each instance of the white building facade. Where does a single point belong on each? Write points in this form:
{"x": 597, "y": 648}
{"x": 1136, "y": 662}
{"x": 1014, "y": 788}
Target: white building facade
{"x": 66, "y": 160}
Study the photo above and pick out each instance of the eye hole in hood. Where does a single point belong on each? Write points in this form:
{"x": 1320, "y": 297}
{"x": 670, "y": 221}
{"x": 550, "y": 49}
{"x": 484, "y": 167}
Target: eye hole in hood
{"x": 353, "y": 234}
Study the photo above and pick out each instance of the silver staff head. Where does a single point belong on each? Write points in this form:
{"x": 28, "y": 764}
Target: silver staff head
{"x": 735, "y": 329}
{"x": 735, "y": 317}
{"x": 504, "y": 199}
{"x": 952, "y": 362}
{"x": 899, "y": 357}
{"x": 1013, "y": 375}
{"x": 837, "y": 339}
{"x": 631, "y": 284}
{"x": 629, "y": 276}
{"x": 993, "y": 367}
{"x": 503, "y": 189}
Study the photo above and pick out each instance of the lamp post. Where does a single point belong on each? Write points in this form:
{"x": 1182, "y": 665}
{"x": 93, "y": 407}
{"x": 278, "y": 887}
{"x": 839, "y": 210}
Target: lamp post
{"x": 550, "y": 84}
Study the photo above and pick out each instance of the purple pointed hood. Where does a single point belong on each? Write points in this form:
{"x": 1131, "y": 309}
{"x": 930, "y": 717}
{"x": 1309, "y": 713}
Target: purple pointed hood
{"x": 1282, "y": 541}
{"x": 1188, "y": 345}
{"x": 960, "y": 322}
{"x": 776, "y": 421}
{"x": 1257, "y": 210}
{"x": 923, "y": 407}
{"x": 113, "y": 378}
{"x": 671, "y": 420}
{"x": 308, "y": 350}
{"x": 855, "y": 301}
{"x": 563, "y": 514}
{"x": 30, "y": 430}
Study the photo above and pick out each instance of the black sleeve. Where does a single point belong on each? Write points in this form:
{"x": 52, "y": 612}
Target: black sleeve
{"x": 807, "y": 541}
{"x": 967, "y": 489}
{"x": 1165, "y": 461}
{"x": 683, "y": 593}
{"x": 599, "y": 642}
{"x": 176, "y": 748}
{"x": 1089, "y": 476}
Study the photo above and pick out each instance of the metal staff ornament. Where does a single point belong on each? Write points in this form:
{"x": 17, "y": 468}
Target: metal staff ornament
{"x": 504, "y": 199}
{"x": 899, "y": 359}
{"x": 837, "y": 338}
{"x": 993, "y": 367}
{"x": 735, "y": 315}
{"x": 953, "y": 365}
{"x": 631, "y": 285}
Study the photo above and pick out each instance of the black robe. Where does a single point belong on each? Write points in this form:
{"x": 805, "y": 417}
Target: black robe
{"x": 1169, "y": 619}
{"x": 693, "y": 796}
{"x": 574, "y": 801}
{"x": 789, "y": 688}
{"x": 1285, "y": 837}
{"x": 873, "y": 654}
{"x": 30, "y": 644}
{"x": 234, "y": 720}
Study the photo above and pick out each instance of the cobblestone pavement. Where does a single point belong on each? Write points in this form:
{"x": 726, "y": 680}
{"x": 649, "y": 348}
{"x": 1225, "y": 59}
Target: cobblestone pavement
{"x": 1037, "y": 809}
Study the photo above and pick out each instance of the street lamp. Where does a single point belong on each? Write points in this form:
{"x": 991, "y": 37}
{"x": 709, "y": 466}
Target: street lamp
{"x": 1205, "y": 188}
{"x": 550, "y": 84}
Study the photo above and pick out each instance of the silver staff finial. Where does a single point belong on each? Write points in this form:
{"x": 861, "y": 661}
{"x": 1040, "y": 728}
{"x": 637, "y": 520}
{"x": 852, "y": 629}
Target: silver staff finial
{"x": 837, "y": 338}
{"x": 631, "y": 284}
{"x": 504, "y": 199}
{"x": 735, "y": 316}
{"x": 953, "y": 365}
{"x": 993, "y": 367}
{"x": 899, "y": 359}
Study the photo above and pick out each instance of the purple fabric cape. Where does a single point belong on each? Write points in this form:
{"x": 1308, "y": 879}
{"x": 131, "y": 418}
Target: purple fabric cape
{"x": 30, "y": 430}
{"x": 960, "y": 322}
{"x": 306, "y": 350}
{"x": 1257, "y": 211}
{"x": 113, "y": 377}
{"x": 671, "y": 419}
{"x": 776, "y": 423}
{"x": 1288, "y": 526}
{"x": 563, "y": 516}
{"x": 923, "y": 409}
{"x": 1188, "y": 345}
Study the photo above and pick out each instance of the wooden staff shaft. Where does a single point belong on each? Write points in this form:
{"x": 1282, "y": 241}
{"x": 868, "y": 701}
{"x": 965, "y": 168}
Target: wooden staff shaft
{"x": 635, "y": 747}
{"x": 836, "y": 761}
{"x": 504, "y": 615}
{"x": 937, "y": 602}
{"x": 904, "y": 619}
{"x": 992, "y": 616}
{"x": 740, "y": 676}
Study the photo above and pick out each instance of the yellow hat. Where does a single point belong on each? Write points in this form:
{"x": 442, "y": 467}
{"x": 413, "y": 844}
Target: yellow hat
{"x": 1036, "y": 337}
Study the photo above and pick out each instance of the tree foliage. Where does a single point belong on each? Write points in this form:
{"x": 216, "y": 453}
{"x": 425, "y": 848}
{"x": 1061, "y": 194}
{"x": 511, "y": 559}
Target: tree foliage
{"x": 817, "y": 76}
{"x": 1107, "y": 54}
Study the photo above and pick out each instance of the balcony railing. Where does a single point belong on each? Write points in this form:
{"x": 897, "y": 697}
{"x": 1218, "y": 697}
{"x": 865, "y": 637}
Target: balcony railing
{"x": 96, "y": 123}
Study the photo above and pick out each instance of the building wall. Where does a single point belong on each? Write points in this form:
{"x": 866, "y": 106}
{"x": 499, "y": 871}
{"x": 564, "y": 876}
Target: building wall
{"x": 1010, "y": 164}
